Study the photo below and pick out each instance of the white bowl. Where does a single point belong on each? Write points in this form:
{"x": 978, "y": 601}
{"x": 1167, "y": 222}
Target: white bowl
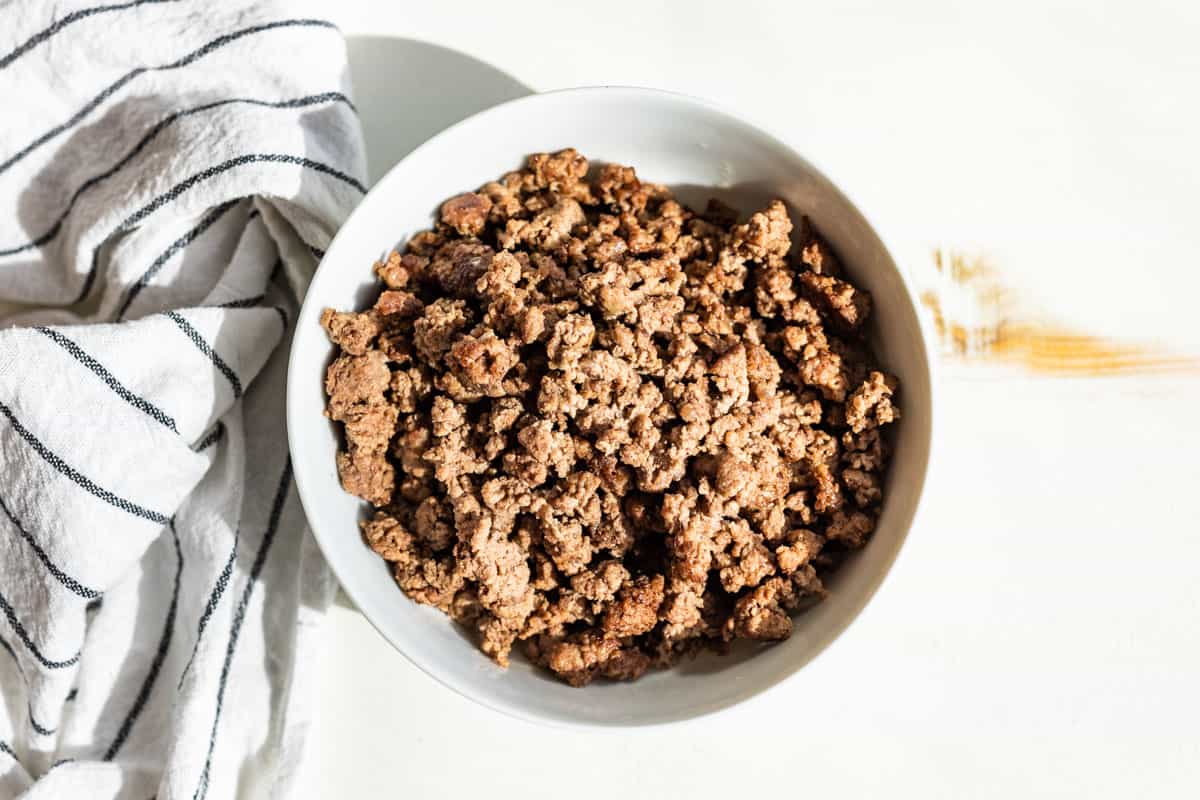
{"x": 696, "y": 149}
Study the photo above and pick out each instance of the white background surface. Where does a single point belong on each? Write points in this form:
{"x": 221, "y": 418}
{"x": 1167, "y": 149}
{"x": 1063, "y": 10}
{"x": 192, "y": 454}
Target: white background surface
{"x": 1040, "y": 634}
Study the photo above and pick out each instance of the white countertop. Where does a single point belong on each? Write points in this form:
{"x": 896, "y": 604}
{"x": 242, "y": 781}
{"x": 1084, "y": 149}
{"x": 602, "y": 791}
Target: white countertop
{"x": 1040, "y": 634}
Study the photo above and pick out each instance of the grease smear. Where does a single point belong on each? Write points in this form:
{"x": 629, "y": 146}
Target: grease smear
{"x": 977, "y": 318}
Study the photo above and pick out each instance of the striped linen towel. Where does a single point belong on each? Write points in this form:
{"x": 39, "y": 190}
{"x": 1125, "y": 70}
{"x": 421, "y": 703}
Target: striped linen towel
{"x": 169, "y": 172}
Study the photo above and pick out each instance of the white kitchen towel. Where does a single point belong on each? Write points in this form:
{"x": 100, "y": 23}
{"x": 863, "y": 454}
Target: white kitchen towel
{"x": 169, "y": 172}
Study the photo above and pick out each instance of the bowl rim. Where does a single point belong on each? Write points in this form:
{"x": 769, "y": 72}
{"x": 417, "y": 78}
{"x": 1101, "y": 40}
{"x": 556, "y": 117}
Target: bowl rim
{"x": 741, "y": 698}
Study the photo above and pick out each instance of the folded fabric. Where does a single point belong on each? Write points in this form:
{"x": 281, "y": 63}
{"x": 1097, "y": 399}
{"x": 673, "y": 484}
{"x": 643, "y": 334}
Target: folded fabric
{"x": 169, "y": 174}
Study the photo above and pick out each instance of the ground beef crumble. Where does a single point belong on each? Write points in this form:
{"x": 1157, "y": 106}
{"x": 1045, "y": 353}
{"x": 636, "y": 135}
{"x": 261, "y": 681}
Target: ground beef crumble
{"x": 599, "y": 425}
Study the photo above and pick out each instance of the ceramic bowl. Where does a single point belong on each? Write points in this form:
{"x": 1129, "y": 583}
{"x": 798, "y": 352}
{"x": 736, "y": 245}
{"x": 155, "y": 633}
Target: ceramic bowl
{"x": 698, "y": 150}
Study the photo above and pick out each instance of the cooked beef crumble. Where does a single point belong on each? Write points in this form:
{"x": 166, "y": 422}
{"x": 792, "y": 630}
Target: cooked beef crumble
{"x": 614, "y": 430}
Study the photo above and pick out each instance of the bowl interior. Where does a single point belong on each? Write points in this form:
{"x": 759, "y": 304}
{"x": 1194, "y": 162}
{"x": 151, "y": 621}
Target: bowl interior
{"x": 699, "y": 151}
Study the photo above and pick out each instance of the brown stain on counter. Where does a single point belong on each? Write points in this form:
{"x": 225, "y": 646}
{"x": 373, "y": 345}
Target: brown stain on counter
{"x": 1013, "y": 335}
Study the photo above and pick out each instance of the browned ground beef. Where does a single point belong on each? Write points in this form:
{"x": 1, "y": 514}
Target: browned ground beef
{"x": 595, "y": 422}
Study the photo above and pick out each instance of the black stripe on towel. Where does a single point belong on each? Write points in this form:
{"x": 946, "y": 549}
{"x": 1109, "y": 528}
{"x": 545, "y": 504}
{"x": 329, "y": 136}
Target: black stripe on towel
{"x": 212, "y": 172}
{"x": 160, "y": 655}
{"x": 245, "y": 302}
{"x": 4, "y": 748}
{"x": 239, "y": 616}
{"x": 23, "y": 635}
{"x": 75, "y": 16}
{"x": 214, "y": 599}
{"x": 56, "y": 228}
{"x": 209, "y": 220}
{"x": 114, "y": 87}
{"x": 33, "y": 723}
{"x": 212, "y": 438}
{"x": 78, "y": 478}
{"x": 204, "y": 347}
{"x": 238, "y": 161}
{"x": 63, "y": 578}
{"x": 141, "y": 404}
